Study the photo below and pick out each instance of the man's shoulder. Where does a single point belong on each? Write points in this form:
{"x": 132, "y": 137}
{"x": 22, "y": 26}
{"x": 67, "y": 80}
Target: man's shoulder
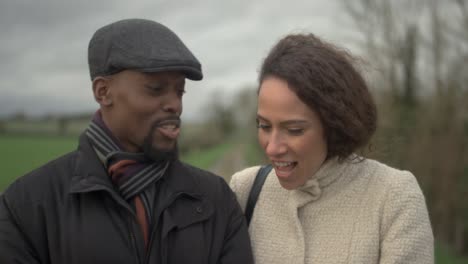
{"x": 201, "y": 175}
{"x": 41, "y": 180}
{"x": 197, "y": 171}
{"x": 203, "y": 181}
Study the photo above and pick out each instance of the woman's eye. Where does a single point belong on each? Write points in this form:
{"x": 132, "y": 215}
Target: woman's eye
{"x": 295, "y": 131}
{"x": 263, "y": 126}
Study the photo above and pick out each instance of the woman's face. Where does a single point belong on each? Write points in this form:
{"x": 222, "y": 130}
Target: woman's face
{"x": 290, "y": 133}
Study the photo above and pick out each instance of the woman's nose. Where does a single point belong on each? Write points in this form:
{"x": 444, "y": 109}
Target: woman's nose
{"x": 275, "y": 145}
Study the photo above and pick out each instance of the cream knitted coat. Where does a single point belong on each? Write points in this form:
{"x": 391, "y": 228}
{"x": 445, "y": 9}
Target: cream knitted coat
{"x": 361, "y": 212}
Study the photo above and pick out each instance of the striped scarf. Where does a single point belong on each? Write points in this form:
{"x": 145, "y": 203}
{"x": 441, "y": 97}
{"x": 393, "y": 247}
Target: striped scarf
{"x": 131, "y": 173}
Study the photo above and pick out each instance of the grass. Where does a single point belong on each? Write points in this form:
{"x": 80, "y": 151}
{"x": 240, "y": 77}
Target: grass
{"x": 254, "y": 154}
{"x": 206, "y": 158}
{"x": 21, "y": 154}
{"x": 444, "y": 255}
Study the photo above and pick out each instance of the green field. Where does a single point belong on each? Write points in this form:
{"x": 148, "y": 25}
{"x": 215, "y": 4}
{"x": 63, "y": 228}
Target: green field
{"x": 21, "y": 154}
{"x": 444, "y": 255}
{"x": 206, "y": 158}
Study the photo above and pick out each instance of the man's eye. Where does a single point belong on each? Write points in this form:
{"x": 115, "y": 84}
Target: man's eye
{"x": 181, "y": 92}
{"x": 155, "y": 88}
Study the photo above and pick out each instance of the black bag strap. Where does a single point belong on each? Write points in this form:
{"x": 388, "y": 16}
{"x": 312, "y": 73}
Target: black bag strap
{"x": 255, "y": 190}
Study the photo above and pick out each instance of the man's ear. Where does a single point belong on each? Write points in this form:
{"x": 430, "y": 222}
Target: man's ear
{"x": 101, "y": 91}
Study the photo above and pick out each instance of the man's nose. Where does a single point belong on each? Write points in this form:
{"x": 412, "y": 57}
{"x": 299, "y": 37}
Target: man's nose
{"x": 173, "y": 103}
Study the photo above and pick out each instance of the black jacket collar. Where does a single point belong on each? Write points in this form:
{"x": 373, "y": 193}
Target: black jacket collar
{"x": 89, "y": 174}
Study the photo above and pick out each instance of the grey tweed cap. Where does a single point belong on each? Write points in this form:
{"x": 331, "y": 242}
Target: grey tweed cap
{"x": 141, "y": 45}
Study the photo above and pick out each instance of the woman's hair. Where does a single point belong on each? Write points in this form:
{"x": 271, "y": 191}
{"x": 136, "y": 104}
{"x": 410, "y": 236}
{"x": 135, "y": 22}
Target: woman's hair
{"x": 324, "y": 78}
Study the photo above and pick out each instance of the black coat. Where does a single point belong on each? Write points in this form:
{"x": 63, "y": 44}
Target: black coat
{"x": 68, "y": 212}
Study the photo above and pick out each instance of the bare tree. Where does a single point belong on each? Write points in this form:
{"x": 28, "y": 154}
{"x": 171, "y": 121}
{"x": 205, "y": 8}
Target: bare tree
{"x": 422, "y": 57}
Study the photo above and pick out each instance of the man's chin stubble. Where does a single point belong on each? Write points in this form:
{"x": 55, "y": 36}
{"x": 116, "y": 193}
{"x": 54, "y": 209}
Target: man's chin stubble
{"x": 157, "y": 154}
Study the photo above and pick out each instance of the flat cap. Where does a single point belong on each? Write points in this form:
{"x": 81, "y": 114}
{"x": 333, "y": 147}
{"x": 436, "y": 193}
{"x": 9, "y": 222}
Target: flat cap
{"x": 141, "y": 45}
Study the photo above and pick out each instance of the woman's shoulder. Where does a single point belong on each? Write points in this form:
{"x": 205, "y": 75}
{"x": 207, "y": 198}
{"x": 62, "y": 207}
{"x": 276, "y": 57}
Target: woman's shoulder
{"x": 241, "y": 183}
{"x": 404, "y": 218}
{"x": 391, "y": 178}
{"x": 244, "y": 178}
{"x": 246, "y": 173}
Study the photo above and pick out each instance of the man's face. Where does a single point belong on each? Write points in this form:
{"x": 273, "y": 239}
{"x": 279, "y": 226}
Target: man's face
{"x": 145, "y": 110}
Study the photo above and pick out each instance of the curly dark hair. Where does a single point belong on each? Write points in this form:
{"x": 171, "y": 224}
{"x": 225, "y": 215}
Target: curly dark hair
{"x": 324, "y": 78}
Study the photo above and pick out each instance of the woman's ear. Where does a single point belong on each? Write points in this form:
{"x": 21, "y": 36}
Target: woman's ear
{"x": 101, "y": 91}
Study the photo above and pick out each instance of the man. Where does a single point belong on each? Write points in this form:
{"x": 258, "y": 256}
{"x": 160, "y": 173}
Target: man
{"x": 123, "y": 196}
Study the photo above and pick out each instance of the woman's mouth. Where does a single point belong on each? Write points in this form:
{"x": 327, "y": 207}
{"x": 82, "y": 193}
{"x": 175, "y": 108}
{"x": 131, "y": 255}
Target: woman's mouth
{"x": 284, "y": 169}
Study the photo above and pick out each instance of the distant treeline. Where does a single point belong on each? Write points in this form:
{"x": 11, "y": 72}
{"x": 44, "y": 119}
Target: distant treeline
{"x": 419, "y": 53}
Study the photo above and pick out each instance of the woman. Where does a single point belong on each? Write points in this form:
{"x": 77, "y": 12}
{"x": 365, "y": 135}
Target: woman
{"x": 322, "y": 203}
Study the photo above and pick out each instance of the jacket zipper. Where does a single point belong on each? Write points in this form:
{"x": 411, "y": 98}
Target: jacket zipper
{"x": 123, "y": 204}
{"x": 150, "y": 244}
{"x": 129, "y": 223}
{"x": 163, "y": 246}
{"x": 135, "y": 247}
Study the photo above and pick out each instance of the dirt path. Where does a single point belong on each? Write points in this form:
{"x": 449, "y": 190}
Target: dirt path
{"x": 231, "y": 162}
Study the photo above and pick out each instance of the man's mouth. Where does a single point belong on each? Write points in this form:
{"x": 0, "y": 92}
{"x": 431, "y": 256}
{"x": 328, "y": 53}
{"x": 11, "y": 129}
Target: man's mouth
{"x": 169, "y": 128}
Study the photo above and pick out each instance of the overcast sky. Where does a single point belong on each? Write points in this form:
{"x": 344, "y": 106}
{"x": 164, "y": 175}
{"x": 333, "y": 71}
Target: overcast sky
{"x": 43, "y": 50}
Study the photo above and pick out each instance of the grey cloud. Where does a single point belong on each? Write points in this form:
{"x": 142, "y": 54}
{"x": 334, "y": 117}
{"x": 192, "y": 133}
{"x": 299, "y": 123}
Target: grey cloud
{"x": 44, "y": 44}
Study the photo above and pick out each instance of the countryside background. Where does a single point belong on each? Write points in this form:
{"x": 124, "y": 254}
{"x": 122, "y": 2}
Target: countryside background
{"x": 414, "y": 55}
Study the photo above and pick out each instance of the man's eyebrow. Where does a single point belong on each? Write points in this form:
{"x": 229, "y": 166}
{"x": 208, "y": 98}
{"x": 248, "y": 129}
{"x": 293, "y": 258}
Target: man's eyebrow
{"x": 154, "y": 85}
{"x": 180, "y": 83}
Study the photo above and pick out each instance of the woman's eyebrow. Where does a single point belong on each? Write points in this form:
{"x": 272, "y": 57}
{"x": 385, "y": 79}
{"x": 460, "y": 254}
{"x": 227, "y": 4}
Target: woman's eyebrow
{"x": 286, "y": 122}
{"x": 294, "y": 122}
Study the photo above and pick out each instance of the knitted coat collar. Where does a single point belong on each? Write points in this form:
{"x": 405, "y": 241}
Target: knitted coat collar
{"x": 328, "y": 173}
